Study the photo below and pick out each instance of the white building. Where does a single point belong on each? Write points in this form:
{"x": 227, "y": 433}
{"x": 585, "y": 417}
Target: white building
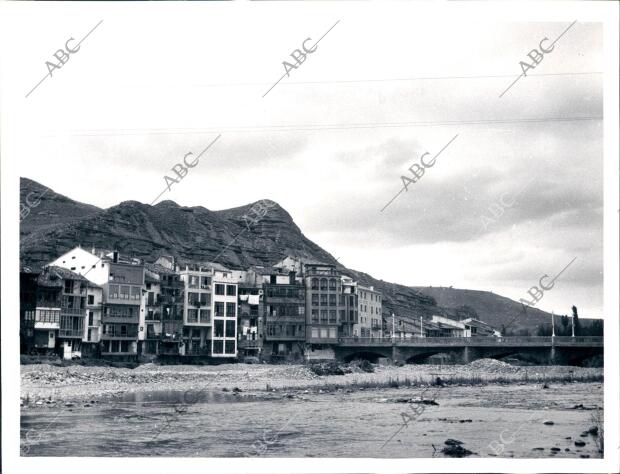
{"x": 369, "y": 310}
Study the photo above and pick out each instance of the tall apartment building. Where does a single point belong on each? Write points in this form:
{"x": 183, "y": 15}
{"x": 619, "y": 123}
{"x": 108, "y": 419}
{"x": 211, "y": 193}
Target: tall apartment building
{"x": 349, "y": 316}
{"x": 210, "y": 311}
{"x": 370, "y": 313}
{"x": 92, "y": 323}
{"x": 324, "y": 305}
{"x": 197, "y": 309}
{"x": 72, "y": 312}
{"x": 285, "y": 315}
{"x": 250, "y": 319}
{"x": 40, "y": 300}
{"x": 163, "y": 307}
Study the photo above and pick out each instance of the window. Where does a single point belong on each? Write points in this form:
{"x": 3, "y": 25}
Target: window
{"x": 219, "y": 309}
{"x": 88, "y": 337}
{"x": 219, "y": 289}
{"x": 135, "y": 293}
{"x": 301, "y": 311}
{"x": 315, "y": 299}
{"x": 332, "y": 316}
{"x": 123, "y": 331}
{"x": 192, "y": 315}
{"x": 324, "y": 333}
{"x": 315, "y": 315}
{"x": 324, "y": 316}
{"x": 332, "y": 333}
{"x": 205, "y": 315}
{"x": 230, "y": 347}
{"x": 323, "y": 300}
{"x": 91, "y": 299}
{"x": 219, "y": 328}
{"x": 315, "y": 283}
{"x": 332, "y": 284}
{"x": 124, "y": 292}
{"x": 332, "y": 300}
{"x": 230, "y": 328}
{"x": 205, "y": 282}
{"x": 231, "y": 290}
{"x": 218, "y": 347}
{"x": 323, "y": 284}
{"x": 113, "y": 291}
{"x": 90, "y": 319}
{"x": 192, "y": 297}
{"x": 193, "y": 281}
{"x": 231, "y": 310}
{"x": 68, "y": 286}
{"x": 315, "y": 332}
{"x": 205, "y": 298}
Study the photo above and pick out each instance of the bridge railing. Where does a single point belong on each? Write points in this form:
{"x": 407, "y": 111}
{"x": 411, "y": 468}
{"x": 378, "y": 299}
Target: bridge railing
{"x": 473, "y": 341}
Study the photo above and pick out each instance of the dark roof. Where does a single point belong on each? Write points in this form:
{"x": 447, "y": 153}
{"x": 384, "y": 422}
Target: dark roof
{"x": 159, "y": 269}
{"x": 53, "y": 276}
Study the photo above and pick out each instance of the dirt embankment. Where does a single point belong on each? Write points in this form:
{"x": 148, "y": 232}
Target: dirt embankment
{"x": 47, "y": 385}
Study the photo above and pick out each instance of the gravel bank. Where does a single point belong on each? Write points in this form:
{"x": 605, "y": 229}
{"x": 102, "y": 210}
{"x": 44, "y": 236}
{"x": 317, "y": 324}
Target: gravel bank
{"x": 44, "y": 385}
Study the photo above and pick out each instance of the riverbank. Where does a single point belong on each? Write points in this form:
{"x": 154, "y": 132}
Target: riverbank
{"x": 44, "y": 385}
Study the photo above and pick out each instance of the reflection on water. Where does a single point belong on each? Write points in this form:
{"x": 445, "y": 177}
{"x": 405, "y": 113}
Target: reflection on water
{"x": 205, "y": 424}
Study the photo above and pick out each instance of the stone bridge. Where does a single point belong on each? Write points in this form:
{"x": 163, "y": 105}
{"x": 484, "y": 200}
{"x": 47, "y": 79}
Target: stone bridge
{"x": 541, "y": 350}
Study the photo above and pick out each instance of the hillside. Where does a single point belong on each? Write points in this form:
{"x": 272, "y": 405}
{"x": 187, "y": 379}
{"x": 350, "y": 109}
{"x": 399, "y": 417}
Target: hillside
{"x": 494, "y": 309}
{"x": 189, "y": 233}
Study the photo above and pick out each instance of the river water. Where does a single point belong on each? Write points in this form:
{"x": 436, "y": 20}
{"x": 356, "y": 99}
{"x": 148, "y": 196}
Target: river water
{"x": 367, "y": 423}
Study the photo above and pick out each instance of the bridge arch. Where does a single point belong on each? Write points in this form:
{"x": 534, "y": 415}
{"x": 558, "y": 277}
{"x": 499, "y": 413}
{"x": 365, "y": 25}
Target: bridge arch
{"x": 370, "y": 356}
{"x": 420, "y": 357}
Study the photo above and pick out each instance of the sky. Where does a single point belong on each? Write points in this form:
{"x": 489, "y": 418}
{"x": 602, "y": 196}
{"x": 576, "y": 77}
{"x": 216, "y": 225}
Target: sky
{"x": 331, "y": 141}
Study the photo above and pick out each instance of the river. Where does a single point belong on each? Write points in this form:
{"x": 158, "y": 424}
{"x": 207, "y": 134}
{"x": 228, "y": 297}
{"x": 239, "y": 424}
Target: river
{"x": 364, "y": 423}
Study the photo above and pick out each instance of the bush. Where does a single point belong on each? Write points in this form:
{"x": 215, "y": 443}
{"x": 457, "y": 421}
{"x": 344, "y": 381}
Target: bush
{"x": 329, "y": 368}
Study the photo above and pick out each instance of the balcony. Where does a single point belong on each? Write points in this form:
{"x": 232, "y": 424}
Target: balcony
{"x": 72, "y": 311}
{"x": 116, "y": 333}
{"x": 71, "y": 333}
{"x": 250, "y": 344}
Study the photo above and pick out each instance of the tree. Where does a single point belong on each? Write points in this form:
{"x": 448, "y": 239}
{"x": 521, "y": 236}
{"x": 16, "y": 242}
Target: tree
{"x": 576, "y": 321}
{"x": 564, "y": 321}
{"x": 543, "y": 330}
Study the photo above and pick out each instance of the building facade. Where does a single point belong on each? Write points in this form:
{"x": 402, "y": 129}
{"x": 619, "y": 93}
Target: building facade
{"x": 285, "y": 315}
{"x": 370, "y": 313}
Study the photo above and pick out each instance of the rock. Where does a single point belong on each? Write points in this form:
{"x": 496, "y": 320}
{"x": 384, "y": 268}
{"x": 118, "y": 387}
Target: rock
{"x": 568, "y": 437}
{"x": 549, "y": 423}
{"x": 593, "y": 431}
{"x": 538, "y": 449}
{"x": 580, "y": 443}
{"x": 39, "y": 402}
{"x": 69, "y": 404}
{"x": 584, "y": 456}
{"x": 456, "y": 451}
{"x": 453, "y": 442}
{"x": 225, "y": 390}
{"x": 465, "y": 421}
{"x": 566, "y": 449}
{"x": 237, "y": 390}
{"x": 555, "y": 449}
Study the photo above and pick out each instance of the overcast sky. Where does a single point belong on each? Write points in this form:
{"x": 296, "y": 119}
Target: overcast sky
{"x": 331, "y": 142}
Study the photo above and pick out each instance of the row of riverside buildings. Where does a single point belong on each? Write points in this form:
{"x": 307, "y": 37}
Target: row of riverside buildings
{"x": 102, "y": 304}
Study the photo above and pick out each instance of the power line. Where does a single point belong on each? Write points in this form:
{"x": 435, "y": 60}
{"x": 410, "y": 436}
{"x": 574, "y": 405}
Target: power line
{"x": 393, "y": 79}
{"x": 320, "y": 127}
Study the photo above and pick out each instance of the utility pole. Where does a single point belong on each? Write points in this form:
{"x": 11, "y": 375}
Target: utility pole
{"x": 552, "y": 326}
